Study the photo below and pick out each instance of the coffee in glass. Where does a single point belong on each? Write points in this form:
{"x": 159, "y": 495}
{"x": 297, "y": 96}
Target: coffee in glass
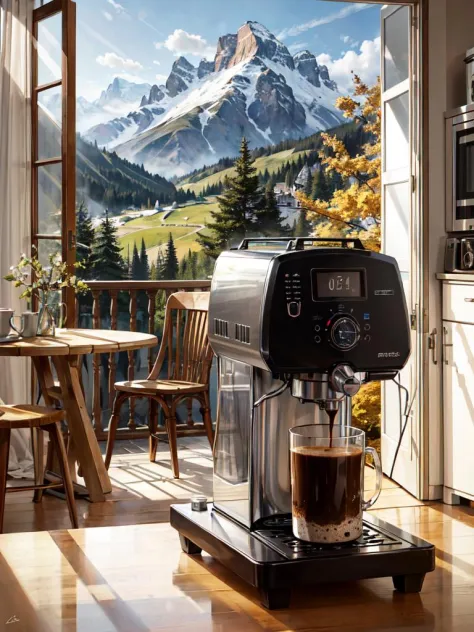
{"x": 327, "y": 482}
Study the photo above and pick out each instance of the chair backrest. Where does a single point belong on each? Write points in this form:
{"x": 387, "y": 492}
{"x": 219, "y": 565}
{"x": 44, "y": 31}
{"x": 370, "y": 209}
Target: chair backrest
{"x": 185, "y": 342}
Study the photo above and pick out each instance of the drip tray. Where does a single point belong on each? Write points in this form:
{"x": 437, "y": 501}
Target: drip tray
{"x": 277, "y": 533}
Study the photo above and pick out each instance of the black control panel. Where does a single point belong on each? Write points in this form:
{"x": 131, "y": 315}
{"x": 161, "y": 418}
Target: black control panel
{"x": 324, "y": 306}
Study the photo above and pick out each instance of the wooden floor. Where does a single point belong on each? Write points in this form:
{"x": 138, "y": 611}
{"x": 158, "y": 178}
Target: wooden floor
{"x": 136, "y": 579}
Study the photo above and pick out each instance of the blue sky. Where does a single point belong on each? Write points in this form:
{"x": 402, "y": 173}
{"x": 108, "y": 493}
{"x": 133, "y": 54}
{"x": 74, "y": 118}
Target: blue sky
{"x": 140, "y": 39}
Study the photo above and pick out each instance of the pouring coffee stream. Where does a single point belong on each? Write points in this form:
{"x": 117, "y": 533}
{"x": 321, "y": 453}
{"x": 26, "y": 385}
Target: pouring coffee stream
{"x": 332, "y": 414}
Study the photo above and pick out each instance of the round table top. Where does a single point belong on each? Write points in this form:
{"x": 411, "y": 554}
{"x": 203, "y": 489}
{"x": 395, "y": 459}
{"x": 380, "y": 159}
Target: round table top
{"x": 79, "y": 342}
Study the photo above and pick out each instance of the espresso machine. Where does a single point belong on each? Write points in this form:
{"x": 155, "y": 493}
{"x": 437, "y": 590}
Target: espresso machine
{"x": 296, "y": 331}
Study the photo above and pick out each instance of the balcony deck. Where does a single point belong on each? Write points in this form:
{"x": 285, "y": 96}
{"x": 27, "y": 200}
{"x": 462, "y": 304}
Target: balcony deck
{"x": 134, "y": 578}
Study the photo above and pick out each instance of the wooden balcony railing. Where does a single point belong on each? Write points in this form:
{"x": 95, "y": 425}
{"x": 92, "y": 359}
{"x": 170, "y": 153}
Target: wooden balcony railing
{"x": 133, "y": 306}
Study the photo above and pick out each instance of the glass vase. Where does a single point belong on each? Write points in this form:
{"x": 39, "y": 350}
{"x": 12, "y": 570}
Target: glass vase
{"x": 46, "y": 321}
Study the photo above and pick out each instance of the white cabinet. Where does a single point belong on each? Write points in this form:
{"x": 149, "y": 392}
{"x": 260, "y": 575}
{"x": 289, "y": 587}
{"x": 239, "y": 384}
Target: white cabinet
{"x": 458, "y": 391}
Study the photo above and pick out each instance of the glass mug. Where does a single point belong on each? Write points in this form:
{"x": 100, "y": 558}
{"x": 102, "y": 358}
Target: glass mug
{"x": 327, "y": 482}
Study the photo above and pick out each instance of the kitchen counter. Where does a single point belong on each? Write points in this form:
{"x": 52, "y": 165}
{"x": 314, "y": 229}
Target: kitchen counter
{"x": 459, "y": 277}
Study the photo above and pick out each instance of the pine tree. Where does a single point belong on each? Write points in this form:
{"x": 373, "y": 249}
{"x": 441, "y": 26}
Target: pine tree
{"x": 109, "y": 265}
{"x": 136, "y": 269}
{"x": 145, "y": 271}
{"x": 268, "y": 219}
{"x": 303, "y": 226}
{"x": 85, "y": 236}
{"x": 321, "y": 189}
{"x": 237, "y": 205}
{"x": 170, "y": 266}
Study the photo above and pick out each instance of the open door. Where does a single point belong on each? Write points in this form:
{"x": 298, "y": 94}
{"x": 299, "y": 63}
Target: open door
{"x": 53, "y": 216}
{"x": 401, "y": 404}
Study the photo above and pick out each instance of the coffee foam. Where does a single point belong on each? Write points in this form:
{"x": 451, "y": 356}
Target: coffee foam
{"x": 346, "y": 531}
{"x": 326, "y": 451}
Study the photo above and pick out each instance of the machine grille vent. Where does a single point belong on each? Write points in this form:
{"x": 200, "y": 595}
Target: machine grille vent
{"x": 221, "y": 327}
{"x": 242, "y": 333}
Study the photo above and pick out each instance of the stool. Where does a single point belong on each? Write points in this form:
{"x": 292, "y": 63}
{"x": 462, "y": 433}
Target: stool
{"x": 46, "y": 419}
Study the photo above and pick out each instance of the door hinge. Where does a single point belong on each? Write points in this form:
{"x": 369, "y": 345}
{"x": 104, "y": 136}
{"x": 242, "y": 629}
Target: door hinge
{"x": 414, "y": 22}
{"x": 413, "y": 184}
{"x": 414, "y": 320}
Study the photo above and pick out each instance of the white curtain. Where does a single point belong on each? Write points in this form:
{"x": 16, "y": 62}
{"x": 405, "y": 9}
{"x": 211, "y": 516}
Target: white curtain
{"x": 15, "y": 182}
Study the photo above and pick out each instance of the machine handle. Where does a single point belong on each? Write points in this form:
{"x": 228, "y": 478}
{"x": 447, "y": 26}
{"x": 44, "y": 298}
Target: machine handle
{"x": 469, "y": 300}
{"x": 297, "y": 243}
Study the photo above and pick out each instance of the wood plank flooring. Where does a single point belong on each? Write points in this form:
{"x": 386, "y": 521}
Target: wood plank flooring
{"x": 135, "y": 578}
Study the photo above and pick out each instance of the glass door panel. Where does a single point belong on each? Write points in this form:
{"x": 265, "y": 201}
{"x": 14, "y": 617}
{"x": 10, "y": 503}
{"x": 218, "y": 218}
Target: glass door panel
{"x": 49, "y": 123}
{"x": 50, "y": 200}
{"x": 49, "y": 46}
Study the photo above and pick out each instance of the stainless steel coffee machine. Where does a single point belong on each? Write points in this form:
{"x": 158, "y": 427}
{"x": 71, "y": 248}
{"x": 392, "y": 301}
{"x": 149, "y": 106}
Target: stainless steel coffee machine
{"x": 296, "y": 331}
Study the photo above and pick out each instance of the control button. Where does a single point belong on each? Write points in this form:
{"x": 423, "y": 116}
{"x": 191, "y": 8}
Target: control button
{"x": 367, "y": 327}
{"x": 294, "y": 309}
{"x": 317, "y": 339}
{"x": 367, "y": 338}
{"x": 296, "y": 275}
{"x": 317, "y": 328}
{"x": 366, "y": 316}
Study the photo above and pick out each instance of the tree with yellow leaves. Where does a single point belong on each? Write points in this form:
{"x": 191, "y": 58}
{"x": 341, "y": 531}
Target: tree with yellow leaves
{"x": 345, "y": 212}
{"x": 359, "y": 200}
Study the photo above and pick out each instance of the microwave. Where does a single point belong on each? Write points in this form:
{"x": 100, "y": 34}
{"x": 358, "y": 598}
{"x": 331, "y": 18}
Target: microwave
{"x": 460, "y": 170}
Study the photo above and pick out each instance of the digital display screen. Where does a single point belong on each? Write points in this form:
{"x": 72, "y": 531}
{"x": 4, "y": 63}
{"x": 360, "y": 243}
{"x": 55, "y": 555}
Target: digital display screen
{"x": 337, "y": 284}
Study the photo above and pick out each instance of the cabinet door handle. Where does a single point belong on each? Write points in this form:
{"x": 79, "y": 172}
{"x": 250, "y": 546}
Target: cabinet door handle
{"x": 432, "y": 338}
{"x": 445, "y": 344}
{"x": 469, "y": 300}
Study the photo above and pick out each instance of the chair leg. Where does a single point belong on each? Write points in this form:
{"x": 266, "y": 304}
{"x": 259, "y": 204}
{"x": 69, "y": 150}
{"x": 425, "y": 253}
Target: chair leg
{"x": 37, "y": 444}
{"x": 113, "y": 425}
{"x": 57, "y": 440}
{"x": 153, "y": 439}
{"x": 207, "y": 420}
{"x": 4, "y": 449}
{"x": 170, "y": 423}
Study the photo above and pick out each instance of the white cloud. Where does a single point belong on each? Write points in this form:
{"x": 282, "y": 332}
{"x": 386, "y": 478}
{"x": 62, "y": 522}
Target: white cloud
{"x": 108, "y": 16}
{"x": 183, "y": 43}
{"x": 347, "y": 39}
{"x": 156, "y": 62}
{"x": 112, "y": 60}
{"x": 161, "y": 78}
{"x": 118, "y": 7}
{"x": 365, "y": 63}
{"x": 297, "y": 47}
{"x": 297, "y": 29}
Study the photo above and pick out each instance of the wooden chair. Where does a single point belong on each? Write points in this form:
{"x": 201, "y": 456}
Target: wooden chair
{"x": 42, "y": 418}
{"x": 185, "y": 347}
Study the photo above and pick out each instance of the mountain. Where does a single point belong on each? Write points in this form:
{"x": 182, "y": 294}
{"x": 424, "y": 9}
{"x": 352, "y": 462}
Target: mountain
{"x": 121, "y": 94}
{"x": 253, "y": 88}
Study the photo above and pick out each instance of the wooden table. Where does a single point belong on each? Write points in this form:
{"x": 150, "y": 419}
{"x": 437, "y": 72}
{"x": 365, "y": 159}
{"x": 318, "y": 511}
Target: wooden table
{"x": 136, "y": 579}
{"x": 65, "y": 351}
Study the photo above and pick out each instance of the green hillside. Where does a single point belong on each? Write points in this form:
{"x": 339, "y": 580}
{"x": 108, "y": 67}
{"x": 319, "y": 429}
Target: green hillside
{"x": 192, "y": 214}
{"x": 184, "y": 224}
{"x": 272, "y": 163}
{"x": 115, "y": 183}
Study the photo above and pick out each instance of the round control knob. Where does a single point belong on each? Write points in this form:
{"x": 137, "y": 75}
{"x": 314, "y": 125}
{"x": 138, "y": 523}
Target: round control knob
{"x": 345, "y": 333}
{"x": 343, "y": 380}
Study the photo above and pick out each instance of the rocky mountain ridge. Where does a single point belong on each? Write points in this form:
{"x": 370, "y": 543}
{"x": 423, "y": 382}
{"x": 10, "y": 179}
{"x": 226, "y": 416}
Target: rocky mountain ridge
{"x": 254, "y": 87}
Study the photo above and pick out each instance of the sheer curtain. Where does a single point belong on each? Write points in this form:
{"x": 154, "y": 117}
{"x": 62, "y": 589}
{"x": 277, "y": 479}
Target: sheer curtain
{"x": 15, "y": 182}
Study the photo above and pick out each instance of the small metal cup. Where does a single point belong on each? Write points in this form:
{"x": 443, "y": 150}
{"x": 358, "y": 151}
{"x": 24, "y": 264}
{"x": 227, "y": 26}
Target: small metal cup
{"x": 199, "y": 503}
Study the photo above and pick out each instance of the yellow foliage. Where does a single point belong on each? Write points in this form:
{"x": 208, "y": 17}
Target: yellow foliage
{"x": 366, "y": 411}
{"x": 361, "y": 197}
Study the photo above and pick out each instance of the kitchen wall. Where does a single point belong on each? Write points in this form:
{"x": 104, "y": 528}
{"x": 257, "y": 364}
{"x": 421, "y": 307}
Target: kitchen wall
{"x": 451, "y": 33}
